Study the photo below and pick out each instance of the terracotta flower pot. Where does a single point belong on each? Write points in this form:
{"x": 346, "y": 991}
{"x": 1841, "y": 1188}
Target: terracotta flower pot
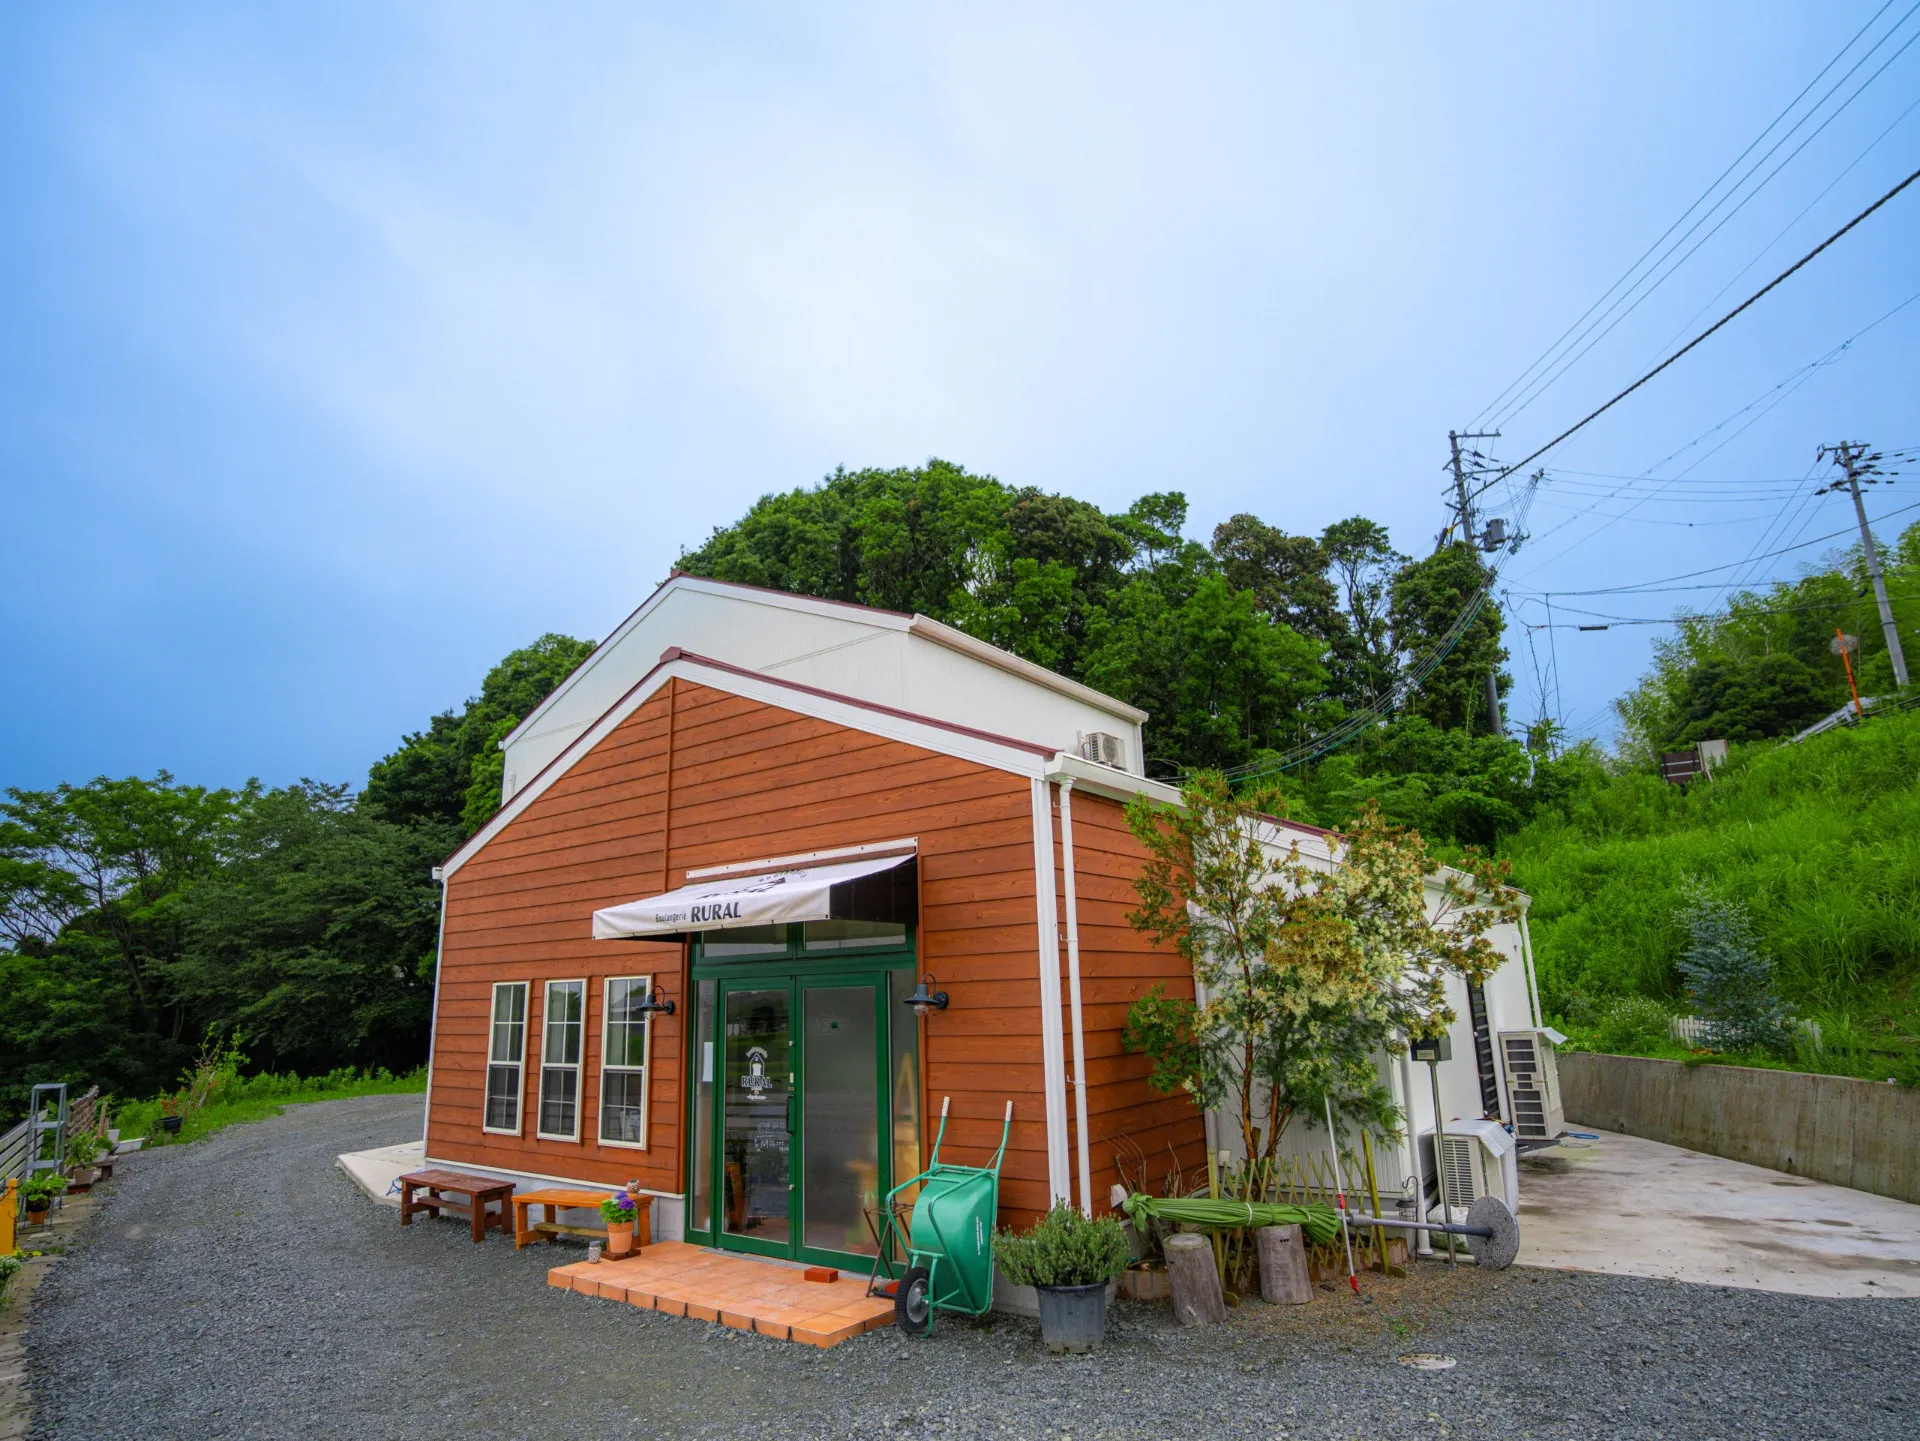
{"x": 620, "y": 1240}
{"x": 37, "y": 1218}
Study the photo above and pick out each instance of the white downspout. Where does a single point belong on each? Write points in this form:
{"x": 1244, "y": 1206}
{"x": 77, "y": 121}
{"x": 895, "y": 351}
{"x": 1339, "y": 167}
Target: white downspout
{"x": 1423, "y": 1246}
{"x": 433, "y": 1016}
{"x": 1533, "y": 980}
{"x": 1052, "y": 1061}
{"x": 1073, "y": 998}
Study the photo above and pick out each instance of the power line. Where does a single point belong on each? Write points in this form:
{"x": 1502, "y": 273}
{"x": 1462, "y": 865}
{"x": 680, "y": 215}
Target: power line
{"x": 1761, "y": 405}
{"x": 1650, "y": 586}
{"x": 1569, "y": 362}
{"x": 1711, "y": 330}
{"x": 1546, "y": 357}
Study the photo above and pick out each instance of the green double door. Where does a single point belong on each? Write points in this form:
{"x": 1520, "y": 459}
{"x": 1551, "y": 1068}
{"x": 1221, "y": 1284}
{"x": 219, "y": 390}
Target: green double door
{"x": 795, "y": 1110}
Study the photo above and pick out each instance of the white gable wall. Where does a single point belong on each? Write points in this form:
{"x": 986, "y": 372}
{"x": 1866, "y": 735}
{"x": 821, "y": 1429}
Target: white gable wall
{"x": 870, "y": 655}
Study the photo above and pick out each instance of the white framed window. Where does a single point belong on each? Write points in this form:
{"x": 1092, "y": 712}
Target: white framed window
{"x": 506, "y": 1058}
{"x": 624, "y": 1033}
{"x": 562, "y": 1025}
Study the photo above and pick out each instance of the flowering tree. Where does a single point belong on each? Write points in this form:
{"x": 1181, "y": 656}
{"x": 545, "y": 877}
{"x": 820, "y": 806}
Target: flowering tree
{"x": 1306, "y": 971}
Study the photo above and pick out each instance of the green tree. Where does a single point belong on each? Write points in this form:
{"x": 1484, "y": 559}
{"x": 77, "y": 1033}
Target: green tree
{"x": 315, "y": 940}
{"x": 1729, "y": 977}
{"x": 1287, "y": 575}
{"x": 1363, "y": 562}
{"x": 1308, "y": 974}
{"x": 1427, "y": 597}
{"x": 1221, "y": 681}
{"x": 91, "y": 879}
{"x": 451, "y": 773}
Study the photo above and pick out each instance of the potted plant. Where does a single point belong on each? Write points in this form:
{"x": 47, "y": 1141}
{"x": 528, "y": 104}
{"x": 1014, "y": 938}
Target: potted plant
{"x": 83, "y": 1149}
{"x": 619, "y": 1213}
{"x": 170, "y": 1115}
{"x": 1068, "y": 1260}
{"x": 38, "y": 1191}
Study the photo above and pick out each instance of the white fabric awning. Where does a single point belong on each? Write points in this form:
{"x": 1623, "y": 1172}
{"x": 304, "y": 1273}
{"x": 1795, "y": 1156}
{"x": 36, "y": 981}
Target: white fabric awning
{"x": 771, "y": 898}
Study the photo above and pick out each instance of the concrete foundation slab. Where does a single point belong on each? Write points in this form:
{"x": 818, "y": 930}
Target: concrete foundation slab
{"x": 1622, "y": 1205}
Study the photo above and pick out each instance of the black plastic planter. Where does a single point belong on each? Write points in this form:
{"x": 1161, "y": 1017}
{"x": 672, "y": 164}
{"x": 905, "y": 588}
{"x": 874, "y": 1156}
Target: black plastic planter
{"x": 171, "y": 1124}
{"x": 1073, "y": 1318}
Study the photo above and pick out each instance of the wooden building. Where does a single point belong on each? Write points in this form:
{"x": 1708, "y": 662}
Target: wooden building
{"x": 732, "y": 846}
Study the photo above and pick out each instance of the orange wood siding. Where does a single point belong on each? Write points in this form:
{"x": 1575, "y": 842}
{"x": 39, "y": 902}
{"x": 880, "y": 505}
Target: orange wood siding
{"x": 1118, "y": 964}
{"x": 750, "y": 780}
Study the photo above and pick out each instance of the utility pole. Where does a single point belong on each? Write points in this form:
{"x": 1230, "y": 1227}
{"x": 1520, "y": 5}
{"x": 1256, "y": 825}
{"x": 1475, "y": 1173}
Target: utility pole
{"x": 1859, "y": 465}
{"x": 1464, "y": 510}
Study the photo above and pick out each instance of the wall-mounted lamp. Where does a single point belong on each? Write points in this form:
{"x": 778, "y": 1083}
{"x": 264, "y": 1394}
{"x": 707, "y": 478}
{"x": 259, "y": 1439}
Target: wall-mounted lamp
{"x": 652, "y": 1004}
{"x": 924, "y": 1000}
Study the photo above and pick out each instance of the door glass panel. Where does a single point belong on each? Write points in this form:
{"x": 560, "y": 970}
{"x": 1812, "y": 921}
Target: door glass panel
{"x": 755, "y": 1151}
{"x": 701, "y": 1201}
{"x": 903, "y": 1027}
{"x": 841, "y": 1109}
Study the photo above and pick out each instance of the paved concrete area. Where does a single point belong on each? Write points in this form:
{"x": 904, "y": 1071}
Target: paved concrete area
{"x": 1623, "y": 1206}
{"x": 378, "y": 1172}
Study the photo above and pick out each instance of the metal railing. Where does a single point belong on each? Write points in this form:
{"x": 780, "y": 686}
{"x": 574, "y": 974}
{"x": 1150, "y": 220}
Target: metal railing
{"x": 16, "y": 1146}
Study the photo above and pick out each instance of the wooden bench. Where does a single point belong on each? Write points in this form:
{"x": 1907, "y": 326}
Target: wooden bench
{"x": 480, "y": 1191}
{"x": 560, "y": 1199}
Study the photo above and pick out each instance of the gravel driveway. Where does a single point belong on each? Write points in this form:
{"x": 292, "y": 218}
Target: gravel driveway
{"x": 242, "y": 1287}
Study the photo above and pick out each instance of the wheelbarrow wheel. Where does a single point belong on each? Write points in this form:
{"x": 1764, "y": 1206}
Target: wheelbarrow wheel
{"x": 913, "y": 1302}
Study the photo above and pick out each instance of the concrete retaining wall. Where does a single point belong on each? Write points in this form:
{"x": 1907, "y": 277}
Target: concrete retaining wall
{"x": 1862, "y": 1134}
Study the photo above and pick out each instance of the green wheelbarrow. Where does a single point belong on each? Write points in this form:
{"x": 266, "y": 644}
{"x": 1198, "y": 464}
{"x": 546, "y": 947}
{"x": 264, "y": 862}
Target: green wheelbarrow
{"x": 948, "y": 1242}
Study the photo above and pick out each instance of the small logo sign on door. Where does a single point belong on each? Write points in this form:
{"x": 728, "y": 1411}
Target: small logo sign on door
{"x": 756, "y": 1082}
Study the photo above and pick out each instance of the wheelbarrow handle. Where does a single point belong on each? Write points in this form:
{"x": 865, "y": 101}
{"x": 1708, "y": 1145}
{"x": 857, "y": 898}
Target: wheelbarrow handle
{"x": 1006, "y": 1129}
{"x": 941, "y": 1134}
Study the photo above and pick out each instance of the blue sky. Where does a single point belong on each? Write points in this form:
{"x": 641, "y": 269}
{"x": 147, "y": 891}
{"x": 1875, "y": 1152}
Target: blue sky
{"x": 345, "y": 348}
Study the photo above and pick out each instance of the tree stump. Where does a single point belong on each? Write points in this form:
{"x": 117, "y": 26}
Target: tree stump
{"x": 1283, "y": 1265}
{"x": 1196, "y": 1283}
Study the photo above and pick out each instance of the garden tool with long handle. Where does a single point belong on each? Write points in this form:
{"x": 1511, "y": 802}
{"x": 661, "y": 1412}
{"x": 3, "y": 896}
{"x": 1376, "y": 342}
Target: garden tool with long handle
{"x": 1340, "y": 1196}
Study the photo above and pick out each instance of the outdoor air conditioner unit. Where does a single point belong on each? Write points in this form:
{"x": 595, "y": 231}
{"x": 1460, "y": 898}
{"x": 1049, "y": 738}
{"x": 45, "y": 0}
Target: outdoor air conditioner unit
{"x": 1476, "y": 1159}
{"x": 1103, "y": 749}
{"x": 1533, "y": 1085}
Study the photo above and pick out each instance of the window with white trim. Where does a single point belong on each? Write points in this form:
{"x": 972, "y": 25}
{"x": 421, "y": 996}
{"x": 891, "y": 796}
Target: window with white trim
{"x": 563, "y": 1022}
{"x": 624, "y": 1032}
{"x": 506, "y": 1056}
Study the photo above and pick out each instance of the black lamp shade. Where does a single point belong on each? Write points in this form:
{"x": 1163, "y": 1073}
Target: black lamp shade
{"x": 654, "y": 1005}
{"x": 924, "y": 1000}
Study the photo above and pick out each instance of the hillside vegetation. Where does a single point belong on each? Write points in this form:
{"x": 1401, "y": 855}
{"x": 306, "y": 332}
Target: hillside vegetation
{"x": 1820, "y": 840}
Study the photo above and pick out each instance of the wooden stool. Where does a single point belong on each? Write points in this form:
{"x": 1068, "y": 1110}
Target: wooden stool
{"x": 479, "y": 1191}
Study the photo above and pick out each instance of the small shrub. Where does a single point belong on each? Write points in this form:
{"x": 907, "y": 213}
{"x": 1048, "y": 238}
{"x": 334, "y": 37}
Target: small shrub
{"x": 1729, "y": 978}
{"x": 8, "y": 1265}
{"x": 1064, "y": 1248}
{"x": 1631, "y": 1025}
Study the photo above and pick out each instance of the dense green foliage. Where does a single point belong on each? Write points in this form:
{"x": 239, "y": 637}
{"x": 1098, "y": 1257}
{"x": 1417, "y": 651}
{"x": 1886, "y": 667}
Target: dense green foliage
{"x": 1764, "y": 666}
{"x": 1821, "y": 843}
{"x": 1064, "y": 1248}
{"x": 139, "y": 915}
{"x": 451, "y": 772}
{"x": 1237, "y": 648}
{"x": 254, "y": 1098}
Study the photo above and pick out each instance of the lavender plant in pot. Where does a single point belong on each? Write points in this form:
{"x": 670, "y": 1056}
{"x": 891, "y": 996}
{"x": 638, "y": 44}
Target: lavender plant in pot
{"x": 619, "y": 1212}
{"x": 1068, "y": 1259}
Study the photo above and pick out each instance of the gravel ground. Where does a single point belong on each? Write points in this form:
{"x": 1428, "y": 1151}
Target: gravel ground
{"x": 241, "y": 1287}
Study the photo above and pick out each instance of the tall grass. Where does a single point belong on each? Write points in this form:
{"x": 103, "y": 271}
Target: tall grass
{"x": 254, "y": 1098}
{"x": 1821, "y": 840}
